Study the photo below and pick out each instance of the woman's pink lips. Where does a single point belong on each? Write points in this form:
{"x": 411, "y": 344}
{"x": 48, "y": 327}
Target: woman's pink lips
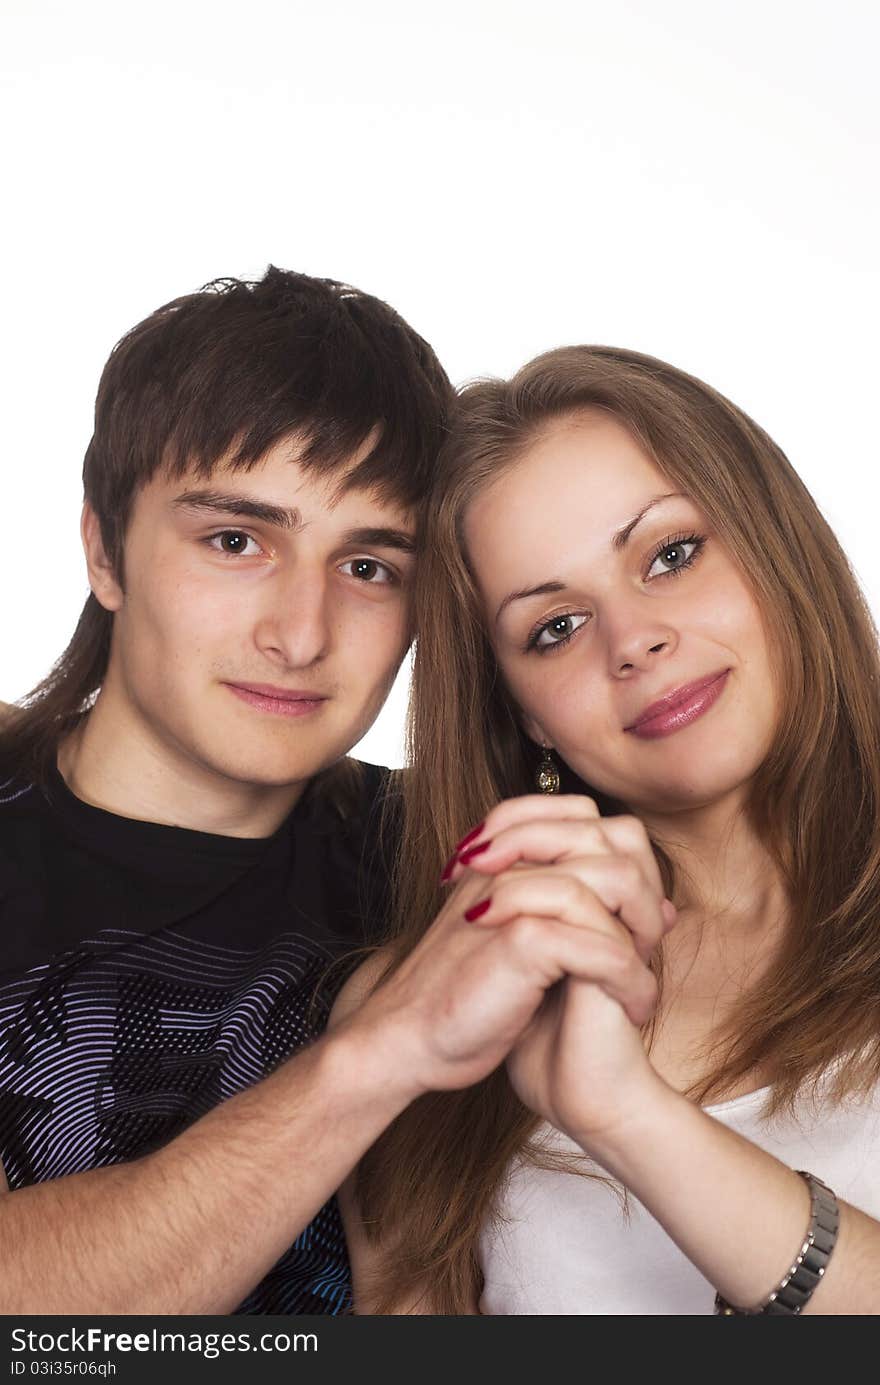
{"x": 680, "y": 714}
{"x": 282, "y": 704}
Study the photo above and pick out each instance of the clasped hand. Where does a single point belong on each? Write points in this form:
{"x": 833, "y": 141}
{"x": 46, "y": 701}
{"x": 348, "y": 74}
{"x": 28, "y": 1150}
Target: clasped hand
{"x": 554, "y": 866}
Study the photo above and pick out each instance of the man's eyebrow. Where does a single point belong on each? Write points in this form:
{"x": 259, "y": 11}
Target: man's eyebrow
{"x": 380, "y": 537}
{"x": 619, "y": 541}
{"x": 239, "y": 506}
{"x": 243, "y": 506}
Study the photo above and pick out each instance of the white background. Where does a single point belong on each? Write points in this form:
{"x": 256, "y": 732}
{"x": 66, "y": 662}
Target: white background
{"x": 693, "y": 179}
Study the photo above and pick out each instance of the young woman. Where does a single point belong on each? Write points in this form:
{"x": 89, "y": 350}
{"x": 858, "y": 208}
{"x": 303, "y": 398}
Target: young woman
{"x": 625, "y": 578}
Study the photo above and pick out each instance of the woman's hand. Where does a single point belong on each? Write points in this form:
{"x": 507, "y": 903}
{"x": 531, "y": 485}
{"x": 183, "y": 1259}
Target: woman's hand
{"x": 525, "y": 899}
{"x": 614, "y": 858}
{"x": 582, "y": 1066}
{"x": 581, "y": 1063}
{"x": 473, "y": 984}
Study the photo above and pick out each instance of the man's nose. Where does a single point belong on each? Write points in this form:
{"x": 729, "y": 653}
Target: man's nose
{"x": 294, "y": 626}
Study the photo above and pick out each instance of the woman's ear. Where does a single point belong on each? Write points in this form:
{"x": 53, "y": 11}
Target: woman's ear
{"x": 102, "y": 574}
{"x": 533, "y": 730}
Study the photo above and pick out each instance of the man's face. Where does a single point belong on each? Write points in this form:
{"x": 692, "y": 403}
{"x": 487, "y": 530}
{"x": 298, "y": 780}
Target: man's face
{"x": 262, "y": 621}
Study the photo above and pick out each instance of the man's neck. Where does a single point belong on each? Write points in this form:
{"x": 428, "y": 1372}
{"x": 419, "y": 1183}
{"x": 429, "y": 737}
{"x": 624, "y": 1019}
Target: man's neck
{"x": 112, "y": 761}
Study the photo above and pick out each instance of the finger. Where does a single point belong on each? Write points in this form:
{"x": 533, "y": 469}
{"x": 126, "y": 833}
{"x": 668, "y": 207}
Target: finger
{"x": 539, "y": 840}
{"x": 535, "y": 840}
{"x": 629, "y": 836}
{"x": 606, "y": 892}
{"x": 511, "y": 811}
{"x": 546, "y": 950}
{"x": 619, "y": 882}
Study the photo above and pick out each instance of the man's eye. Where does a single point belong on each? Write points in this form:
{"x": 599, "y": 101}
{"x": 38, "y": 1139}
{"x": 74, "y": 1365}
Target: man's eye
{"x": 368, "y": 570}
{"x": 235, "y": 543}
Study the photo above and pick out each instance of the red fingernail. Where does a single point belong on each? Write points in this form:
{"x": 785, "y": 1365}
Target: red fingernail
{"x": 473, "y": 851}
{"x": 476, "y": 910}
{"x": 448, "y": 869}
{"x": 470, "y": 837}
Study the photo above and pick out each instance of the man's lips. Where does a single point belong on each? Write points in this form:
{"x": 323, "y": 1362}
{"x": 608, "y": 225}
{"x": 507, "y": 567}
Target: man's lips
{"x": 288, "y": 702}
{"x": 679, "y": 707}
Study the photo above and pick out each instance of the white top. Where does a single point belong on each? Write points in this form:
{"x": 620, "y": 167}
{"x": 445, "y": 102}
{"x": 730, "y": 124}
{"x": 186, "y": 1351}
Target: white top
{"x": 565, "y": 1245}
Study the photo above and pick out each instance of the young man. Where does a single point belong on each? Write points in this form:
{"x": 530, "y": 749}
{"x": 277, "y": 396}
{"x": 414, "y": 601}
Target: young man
{"x": 170, "y": 897}
{"x": 184, "y": 848}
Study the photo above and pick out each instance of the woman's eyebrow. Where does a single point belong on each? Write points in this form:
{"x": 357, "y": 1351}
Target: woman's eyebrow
{"x": 622, "y": 536}
{"x": 619, "y": 541}
{"x": 545, "y": 589}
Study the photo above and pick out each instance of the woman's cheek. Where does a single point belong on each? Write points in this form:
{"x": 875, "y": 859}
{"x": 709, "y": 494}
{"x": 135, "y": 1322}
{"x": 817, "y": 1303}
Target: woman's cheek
{"x": 571, "y": 707}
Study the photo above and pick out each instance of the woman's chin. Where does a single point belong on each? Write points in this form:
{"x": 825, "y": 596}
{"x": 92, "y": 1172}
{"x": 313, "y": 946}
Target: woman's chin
{"x": 679, "y": 788}
{"x": 686, "y": 796}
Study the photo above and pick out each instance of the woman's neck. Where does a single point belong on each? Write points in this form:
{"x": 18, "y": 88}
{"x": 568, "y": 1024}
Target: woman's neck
{"x": 733, "y": 910}
{"x": 724, "y": 874}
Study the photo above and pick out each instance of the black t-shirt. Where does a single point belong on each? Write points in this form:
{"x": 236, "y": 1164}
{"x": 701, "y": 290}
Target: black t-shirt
{"x": 149, "y": 972}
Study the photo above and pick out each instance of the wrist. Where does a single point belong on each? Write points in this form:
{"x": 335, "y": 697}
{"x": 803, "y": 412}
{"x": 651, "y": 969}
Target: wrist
{"x": 620, "y": 1140}
{"x": 369, "y": 1060}
{"x": 797, "y": 1285}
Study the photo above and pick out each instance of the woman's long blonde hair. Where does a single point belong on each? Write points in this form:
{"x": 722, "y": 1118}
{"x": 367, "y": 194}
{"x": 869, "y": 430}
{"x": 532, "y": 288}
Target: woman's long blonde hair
{"x": 430, "y": 1182}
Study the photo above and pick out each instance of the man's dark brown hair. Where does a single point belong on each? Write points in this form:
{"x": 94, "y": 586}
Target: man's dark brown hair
{"x": 220, "y": 376}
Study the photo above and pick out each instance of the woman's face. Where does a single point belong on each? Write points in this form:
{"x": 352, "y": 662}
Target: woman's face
{"x": 605, "y": 593}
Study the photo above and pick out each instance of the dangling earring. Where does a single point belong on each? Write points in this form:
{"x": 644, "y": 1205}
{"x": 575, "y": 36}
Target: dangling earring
{"x": 547, "y": 777}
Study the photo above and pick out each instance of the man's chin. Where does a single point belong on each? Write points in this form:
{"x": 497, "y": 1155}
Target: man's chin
{"x": 267, "y": 772}
{"x": 269, "y": 778}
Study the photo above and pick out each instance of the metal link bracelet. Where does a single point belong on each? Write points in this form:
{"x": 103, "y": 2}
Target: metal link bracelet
{"x": 795, "y": 1291}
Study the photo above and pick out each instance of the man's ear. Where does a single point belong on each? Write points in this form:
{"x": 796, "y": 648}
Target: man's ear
{"x": 102, "y": 576}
